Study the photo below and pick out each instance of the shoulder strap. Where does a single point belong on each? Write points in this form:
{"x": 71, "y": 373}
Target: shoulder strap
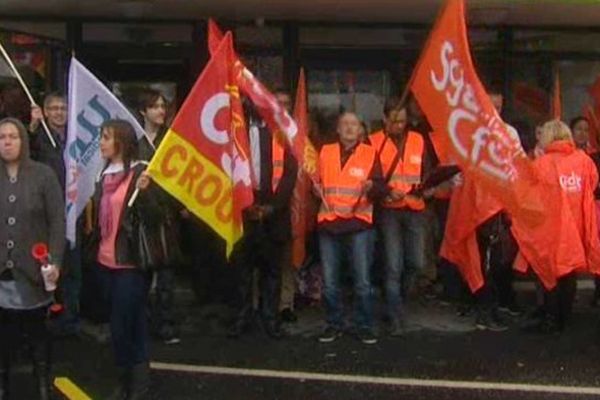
{"x": 394, "y": 164}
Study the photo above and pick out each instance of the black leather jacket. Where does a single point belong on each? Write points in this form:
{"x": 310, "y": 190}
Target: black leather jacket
{"x": 146, "y": 208}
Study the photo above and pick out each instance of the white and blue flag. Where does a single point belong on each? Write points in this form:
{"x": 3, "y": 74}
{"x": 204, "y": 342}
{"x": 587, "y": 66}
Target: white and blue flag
{"x": 90, "y": 104}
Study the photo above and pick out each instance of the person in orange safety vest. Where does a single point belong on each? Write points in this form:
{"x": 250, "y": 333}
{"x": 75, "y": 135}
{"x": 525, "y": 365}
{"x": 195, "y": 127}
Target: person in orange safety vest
{"x": 351, "y": 179}
{"x": 401, "y": 220}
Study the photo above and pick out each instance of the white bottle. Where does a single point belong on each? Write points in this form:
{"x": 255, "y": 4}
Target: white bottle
{"x": 47, "y": 270}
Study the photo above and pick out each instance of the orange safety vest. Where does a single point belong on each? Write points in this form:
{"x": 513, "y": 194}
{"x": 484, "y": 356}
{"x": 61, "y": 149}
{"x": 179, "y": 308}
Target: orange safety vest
{"x": 278, "y": 152}
{"x": 407, "y": 173}
{"x": 342, "y": 187}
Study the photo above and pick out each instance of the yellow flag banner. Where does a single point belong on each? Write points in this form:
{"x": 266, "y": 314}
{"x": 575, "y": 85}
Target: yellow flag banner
{"x": 202, "y": 160}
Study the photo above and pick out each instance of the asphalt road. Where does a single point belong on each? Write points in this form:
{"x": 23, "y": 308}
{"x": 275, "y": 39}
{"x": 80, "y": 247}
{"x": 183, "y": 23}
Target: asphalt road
{"x": 570, "y": 359}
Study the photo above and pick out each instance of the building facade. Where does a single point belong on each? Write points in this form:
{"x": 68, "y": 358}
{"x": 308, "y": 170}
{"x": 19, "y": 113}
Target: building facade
{"x": 351, "y": 62}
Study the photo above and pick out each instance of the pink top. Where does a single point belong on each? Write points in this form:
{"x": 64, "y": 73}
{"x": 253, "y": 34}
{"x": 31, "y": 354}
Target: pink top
{"x": 106, "y": 251}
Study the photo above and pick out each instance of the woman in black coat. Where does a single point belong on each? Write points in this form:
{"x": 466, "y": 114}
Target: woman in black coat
{"x": 31, "y": 211}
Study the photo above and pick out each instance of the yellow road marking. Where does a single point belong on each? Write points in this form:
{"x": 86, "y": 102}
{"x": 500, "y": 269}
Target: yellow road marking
{"x": 70, "y": 390}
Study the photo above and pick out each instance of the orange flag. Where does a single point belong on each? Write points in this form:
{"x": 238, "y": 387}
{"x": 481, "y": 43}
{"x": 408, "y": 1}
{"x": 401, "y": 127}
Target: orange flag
{"x": 301, "y": 196}
{"x": 203, "y": 160}
{"x": 470, "y": 206}
{"x": 448, "y": 90}
{"x": 275, "y": 116}
{"x": 556, "y": 97}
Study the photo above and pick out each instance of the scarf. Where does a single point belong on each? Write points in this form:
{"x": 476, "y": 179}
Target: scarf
{"x": 112, "y": 177}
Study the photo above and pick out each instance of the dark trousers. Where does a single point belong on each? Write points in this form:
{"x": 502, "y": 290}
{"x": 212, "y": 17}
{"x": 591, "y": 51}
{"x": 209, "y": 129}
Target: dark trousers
{"x": 162, "y": 303}
{"x": 20, "y": 328}
{"x": 559, "y": 301}
{"x": 211, "y": 280}
{"x": 258, "y": 250}
{"x": 70, "y": 289}
{"x": 126, "y": 290}
{"x": 497, "y": 254}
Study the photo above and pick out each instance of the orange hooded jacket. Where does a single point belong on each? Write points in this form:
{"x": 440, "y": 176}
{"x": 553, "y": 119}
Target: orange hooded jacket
{"x": 567, "y": 240}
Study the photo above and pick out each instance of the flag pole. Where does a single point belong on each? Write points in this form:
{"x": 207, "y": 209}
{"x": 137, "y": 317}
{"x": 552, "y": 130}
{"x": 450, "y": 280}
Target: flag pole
{"x": 26, "y": 90}
{"x": 133, "y": 198}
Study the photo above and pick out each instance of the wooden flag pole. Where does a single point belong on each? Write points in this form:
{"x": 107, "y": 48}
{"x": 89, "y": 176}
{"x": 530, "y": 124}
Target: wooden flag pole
{"x": 26, "y": 90}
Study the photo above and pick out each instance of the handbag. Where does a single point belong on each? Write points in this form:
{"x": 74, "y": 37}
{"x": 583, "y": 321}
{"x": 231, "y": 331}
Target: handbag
{"x": 150, "y": 255}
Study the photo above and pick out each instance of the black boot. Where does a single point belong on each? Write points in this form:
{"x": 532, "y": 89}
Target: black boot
{"x": 122, "y": 391}
{"x": 4, "y": 380}
{"x": 273, "y": 329}
{"x": 238, "y": 329}
{"x": 140, "y": 382}
{"x": 42, "y": 376}
{"x": 40, "y": 357}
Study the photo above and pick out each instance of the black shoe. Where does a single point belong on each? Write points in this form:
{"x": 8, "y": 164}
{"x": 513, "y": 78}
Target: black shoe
{"x": 140, "y": 382}
{"x": 169, "y": 335}
{"x": 490, "y": 323}
{"x": 366, "y": 336}
{"x": 273, "y": 330}
{"x": 539, "y": 312}
{"x": 41, "y": 371}
{"x": 43, "y": 383}
{"x": 397, "y": 327}
{"x": 122, "y": 391}
{"x": 511, "y": 309}
{"x": 465, "y": 310}
{"x": 551, "y": 326}
{"x": 237, "y": 329}
{"x": 4, "y": 382}
{"x": 329, "y": 335}
{"x": 546, "y": 325}
{"x": 288, "y": 316}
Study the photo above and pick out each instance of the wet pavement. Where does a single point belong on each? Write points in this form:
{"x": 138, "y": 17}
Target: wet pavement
{"x": 440, "y": 346}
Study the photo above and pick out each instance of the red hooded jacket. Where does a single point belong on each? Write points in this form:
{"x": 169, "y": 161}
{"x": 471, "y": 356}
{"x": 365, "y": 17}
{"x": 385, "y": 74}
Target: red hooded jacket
{"x": 568, "y": 239}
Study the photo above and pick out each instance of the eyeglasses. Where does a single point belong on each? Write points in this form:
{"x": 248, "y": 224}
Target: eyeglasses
{"x": 57, "y": 108}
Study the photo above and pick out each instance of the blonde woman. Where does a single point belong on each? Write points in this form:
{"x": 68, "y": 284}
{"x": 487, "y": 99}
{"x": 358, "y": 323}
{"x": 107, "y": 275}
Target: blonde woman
{"x": 573, "y": 175}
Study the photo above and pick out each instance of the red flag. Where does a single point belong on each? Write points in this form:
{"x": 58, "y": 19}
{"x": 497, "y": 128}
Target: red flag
{"x": 590, "y": 114}
{"x": 301, "y": 196}
{"x": 214, "y": 36}
{"x": 531, "y": 100}
{"x": 203, "y": 160}
{"x": 556, "y": 100}
{"x": 470, "y": 206}
{"x": 594, "y": 92}
{"x": 448, "y": 90}
{"x": 276, "y": 117}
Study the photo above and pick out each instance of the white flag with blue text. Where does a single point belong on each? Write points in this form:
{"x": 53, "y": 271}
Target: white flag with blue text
{"x": 90, "y": 104}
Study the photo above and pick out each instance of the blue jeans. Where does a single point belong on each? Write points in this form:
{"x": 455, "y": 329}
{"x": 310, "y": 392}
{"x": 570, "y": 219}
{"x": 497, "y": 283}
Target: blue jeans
{"x": 357, "y": 249}
{"x": 127, "y": 291}
{"x": 403, "y": 233}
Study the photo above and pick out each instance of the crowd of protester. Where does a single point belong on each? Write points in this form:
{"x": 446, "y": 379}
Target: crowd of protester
{"x": 372, "y": 221}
